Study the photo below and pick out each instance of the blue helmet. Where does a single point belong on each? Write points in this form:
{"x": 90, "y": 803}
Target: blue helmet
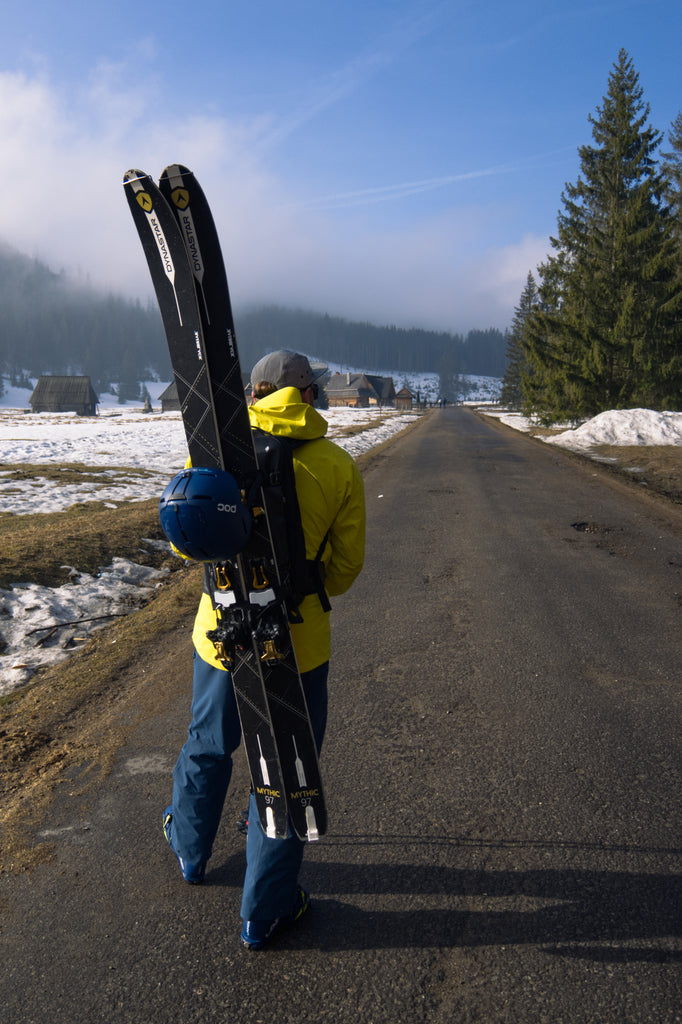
{"x": 203, "y": 515}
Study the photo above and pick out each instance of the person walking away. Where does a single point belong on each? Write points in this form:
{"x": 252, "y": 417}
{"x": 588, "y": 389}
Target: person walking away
{"x": 330, "y": 492}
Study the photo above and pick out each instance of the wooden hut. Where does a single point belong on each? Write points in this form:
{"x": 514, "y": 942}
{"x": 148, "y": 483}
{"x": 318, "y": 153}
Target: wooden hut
{"x": 353, "y": 390}
{"x": 169, "y": 398}
{"x": 404, "y": 400}
{"x": 384, "y": 388}
{"x": 64, "y": 394}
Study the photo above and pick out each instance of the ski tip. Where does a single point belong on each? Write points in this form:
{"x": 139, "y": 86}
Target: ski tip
{"x": 133, "y": 175}
{"x": 175, "y": 173}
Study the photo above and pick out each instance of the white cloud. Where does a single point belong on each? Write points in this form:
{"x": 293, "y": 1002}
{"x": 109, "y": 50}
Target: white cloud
{"x": 68, "y": 155}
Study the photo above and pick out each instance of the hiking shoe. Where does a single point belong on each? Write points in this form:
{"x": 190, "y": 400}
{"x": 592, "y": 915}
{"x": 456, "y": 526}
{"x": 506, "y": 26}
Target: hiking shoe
{"x": 192, "y": 873}
{"x": 255, "y": 934}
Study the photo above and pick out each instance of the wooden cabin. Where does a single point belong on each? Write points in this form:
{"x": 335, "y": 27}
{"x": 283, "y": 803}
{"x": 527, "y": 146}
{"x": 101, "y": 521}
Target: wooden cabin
{"x": 359, "y": 390}
{"x": 64, "y": 394}
{"x": 384, "y": 388}
{"x": 169, "y": 398}
{"x": 404, "y": 400}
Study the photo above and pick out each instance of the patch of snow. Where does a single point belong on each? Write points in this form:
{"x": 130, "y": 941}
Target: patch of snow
{"x": 132, "y": 454}
{"x": 618, "y": 428}
{"x": 623, "y": 427}
{"x": 41, "y": 625}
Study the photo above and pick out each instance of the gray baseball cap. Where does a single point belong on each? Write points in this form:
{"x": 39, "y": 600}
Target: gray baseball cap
{"x": 284, "y": 369}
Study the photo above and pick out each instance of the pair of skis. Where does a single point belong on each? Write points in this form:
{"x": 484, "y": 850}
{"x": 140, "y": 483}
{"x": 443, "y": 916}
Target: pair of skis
{"x": 180, "y": 242}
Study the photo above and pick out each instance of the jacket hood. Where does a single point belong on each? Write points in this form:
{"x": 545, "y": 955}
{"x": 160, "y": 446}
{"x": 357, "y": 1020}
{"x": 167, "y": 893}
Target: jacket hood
{"x": 285, "y": 414}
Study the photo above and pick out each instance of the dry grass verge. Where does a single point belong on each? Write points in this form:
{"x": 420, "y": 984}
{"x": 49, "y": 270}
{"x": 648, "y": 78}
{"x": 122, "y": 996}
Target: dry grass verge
{"x": 52, "y": 722}
{"x": 77, "y": 473}
{"x": 656, "y": 467}
{"x": 36, "y": 547}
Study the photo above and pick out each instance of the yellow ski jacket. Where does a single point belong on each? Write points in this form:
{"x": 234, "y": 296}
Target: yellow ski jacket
{"x": 332, "y": 499}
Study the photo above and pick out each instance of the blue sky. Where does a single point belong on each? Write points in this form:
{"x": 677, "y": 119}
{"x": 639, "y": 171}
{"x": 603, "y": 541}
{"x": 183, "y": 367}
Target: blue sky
{"x": 400, "y": 162}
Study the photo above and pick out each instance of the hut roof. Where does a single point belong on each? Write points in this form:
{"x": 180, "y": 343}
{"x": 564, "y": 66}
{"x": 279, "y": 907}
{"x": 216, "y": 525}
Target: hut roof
{"x": 348, "y": 385}
{"x": 57, "y": 392}
{"x": 383, "y": 386}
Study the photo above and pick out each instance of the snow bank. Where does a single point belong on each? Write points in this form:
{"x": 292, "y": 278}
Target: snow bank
{"x": 623, "y": 427}
{"x": 620, "y": 428}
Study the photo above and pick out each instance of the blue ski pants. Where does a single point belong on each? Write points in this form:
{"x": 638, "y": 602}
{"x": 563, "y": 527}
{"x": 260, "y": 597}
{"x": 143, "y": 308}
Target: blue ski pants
{"x": 201, "y": 778}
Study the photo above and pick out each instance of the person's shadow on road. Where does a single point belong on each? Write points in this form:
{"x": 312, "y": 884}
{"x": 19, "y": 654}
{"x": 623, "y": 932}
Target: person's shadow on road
{"x": 596, "y": 914}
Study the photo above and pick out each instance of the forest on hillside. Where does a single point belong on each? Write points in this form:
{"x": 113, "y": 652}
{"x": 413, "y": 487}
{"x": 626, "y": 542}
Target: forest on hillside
{"x": 368, "y": 346}
{"x": 50, "y": 325}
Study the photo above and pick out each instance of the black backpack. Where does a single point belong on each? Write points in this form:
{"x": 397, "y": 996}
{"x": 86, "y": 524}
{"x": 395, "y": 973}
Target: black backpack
{"x": 299, "y": 575}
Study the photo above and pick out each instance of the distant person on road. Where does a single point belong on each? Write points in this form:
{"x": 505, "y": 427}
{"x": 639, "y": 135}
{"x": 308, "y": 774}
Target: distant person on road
{"x": 331, "y": 497}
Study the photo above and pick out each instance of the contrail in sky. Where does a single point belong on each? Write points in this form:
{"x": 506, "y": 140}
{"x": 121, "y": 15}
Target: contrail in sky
{"x": 385, "y": 193}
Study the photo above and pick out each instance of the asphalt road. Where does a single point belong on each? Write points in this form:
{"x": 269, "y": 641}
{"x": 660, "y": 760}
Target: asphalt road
{"x": 503, "y": 769}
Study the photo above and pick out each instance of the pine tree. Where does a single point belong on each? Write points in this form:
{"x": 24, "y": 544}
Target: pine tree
{"x": 517, "y": 364}
{"x": 608, "y": 335}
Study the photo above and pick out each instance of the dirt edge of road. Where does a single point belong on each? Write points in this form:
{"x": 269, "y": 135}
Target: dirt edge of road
{"x": 655, "y": 470}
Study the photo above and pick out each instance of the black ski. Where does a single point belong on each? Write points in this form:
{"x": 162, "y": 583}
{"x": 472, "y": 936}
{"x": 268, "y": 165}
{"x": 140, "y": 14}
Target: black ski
{"x": 253, "y": 637}
{"x": 173, "y": 281}
{"x": 272, "y": 646}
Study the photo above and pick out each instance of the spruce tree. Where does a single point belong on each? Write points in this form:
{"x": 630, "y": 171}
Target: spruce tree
{"x": 517, "y": 364}
{"x": 608, "y": 335}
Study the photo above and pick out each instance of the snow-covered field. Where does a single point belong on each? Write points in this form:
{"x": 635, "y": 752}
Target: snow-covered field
{"x": 133, "y": 456}
{"x": 136, "y": 454}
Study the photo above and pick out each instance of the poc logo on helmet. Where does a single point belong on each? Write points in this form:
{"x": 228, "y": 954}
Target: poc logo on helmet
{"x": 226, "y": 508}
